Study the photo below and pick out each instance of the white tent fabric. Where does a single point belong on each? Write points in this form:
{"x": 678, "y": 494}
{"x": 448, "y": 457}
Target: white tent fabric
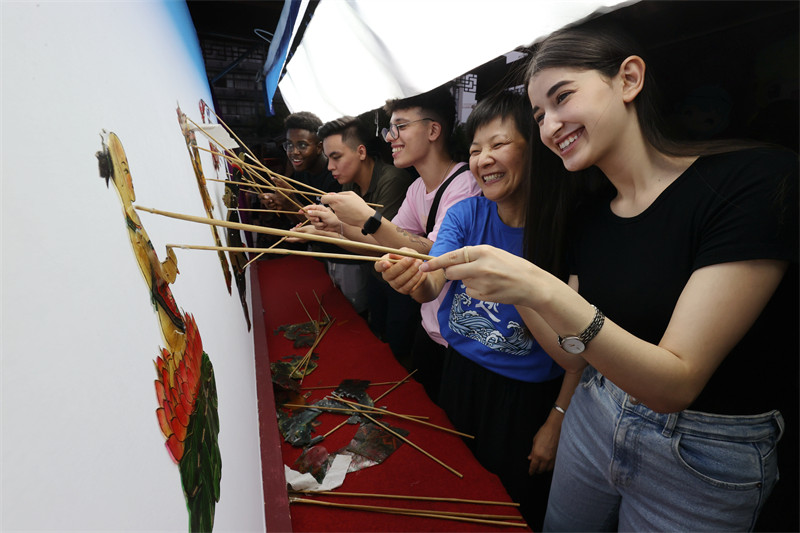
{"x": 355, "y": 54}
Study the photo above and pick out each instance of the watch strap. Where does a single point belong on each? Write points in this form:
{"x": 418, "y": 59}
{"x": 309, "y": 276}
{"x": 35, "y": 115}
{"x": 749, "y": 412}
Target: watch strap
{"x": 373, "y": 223}
{"x": 591, "y": 330}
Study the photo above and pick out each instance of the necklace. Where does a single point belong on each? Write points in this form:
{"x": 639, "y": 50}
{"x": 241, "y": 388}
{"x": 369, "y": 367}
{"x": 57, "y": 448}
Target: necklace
{"x": 446, "y": 171}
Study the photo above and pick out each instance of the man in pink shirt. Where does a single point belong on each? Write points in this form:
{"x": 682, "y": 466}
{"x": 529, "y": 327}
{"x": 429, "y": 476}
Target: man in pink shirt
{"x": 419, "y": 132}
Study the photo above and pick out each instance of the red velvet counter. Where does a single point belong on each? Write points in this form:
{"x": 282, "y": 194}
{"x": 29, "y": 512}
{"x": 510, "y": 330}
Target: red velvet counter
{"x": 350, "y": 351}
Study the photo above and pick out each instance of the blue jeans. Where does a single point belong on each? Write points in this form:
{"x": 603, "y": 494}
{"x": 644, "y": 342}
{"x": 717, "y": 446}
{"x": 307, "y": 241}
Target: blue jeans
{"x": 623, "y": 467}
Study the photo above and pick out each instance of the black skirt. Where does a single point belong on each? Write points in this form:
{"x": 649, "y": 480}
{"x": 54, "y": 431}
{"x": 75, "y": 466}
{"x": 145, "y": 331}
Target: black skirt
{"x": 503, "y": 415}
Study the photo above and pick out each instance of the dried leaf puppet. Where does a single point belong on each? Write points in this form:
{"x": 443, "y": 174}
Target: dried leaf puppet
{"x": 315, "y": 461}
{"x": 372, "y": 445}
{"x": 185, "y": 388}
{"x": 297, "y": 428}
{"x": 303, "y": 334}
{"x": 194, "y": 154}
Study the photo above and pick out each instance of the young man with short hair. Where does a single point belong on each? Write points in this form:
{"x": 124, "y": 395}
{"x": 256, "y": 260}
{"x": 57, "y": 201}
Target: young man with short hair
{"x": 309, "y": 164}
{"x": 419, "y": 134}
{"x": 351, "y": 160}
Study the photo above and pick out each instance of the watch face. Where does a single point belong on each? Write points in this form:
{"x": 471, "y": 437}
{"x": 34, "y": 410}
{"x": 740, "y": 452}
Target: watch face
{"x": 573, "y": 345}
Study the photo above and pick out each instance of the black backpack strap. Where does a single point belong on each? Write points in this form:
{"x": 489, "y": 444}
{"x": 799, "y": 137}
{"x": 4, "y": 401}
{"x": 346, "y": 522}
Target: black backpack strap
{"x": 435, "y": 205}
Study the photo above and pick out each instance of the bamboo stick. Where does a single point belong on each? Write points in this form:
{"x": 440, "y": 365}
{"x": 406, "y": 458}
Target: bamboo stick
{"x": 232, "y": 158}
{"x": 270, "y": 187}
{"x": 408, "y": 497}
{"x": 204, "y": 132}
{"x": 370, "y": 385}
{"x": 307, "y": 357}
{"x": 271, "y": 247}
{"x": 290, "y": 180}
{"x": 376, "y": 410}
{"x": 396, "y": 385}
{"x": 416, "y": 447}
{"x": 320, "y": 304}
{"x": 276, "y": 189}
{"x": 244, "y": 146}
{"x": 278, "y": 251}
{"x": 378, "y": 398}
{"x": 249, "y": 153}
{"x": 351, "y": 410}
{"x": 334, "y": 429}
{"x": 316, "y": 324}
{"x": 412, "y": 512}
{"x": 285, "y": 189}
{"x": 284, "y": 233}
{"x": 278, "y": 211}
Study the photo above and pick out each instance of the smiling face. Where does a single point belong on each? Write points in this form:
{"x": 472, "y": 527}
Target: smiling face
{"x": 413, "y": 141}
{"x": 304, "y": 149}
{"x": 581, "y": 114}
{"x": 498, "y": 159}
{"x": 343, "y": 161}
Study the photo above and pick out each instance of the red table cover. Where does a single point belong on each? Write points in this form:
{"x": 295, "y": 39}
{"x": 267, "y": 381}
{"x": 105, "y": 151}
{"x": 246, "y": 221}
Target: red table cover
{"x": 349, "y": 350}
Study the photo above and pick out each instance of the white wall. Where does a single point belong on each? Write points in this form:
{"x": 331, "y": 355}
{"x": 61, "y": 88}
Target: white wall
{"x": 81, "y": 447}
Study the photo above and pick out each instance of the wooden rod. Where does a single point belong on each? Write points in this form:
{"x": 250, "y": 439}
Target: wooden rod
{"x": 378, "y": 398}
{"x": 293, "y": 181}
{"x": 284, "y": 233}
{"x": 307, "y": 357}
{"x": 370, "y": 385}
{"x": 316, "y": 324}
{"x": 278, "y": 211}
{"x": 271, "y": 247}
{"x": 399, "y": 436}
{"x": 276, "y": 188}
{"x": 408, "y": 497}
{"x": 277, "y": 251}
{"x": 232, "y": 158}
{"x": 411, "y": 512}
{"x": 270, "y": 187}
{"x": 320, "y": 304}
{"x": 376, "y": 410}
{"x": 244, "y": 146}
{"x": 204, "y": 132}
{"x": 249, "y": 153}
{"x": 396, "y": 385}
{"x": 334, "y": 429}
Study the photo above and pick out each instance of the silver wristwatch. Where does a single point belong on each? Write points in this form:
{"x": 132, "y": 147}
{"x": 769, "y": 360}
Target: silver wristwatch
{"x": 576, "y": 344}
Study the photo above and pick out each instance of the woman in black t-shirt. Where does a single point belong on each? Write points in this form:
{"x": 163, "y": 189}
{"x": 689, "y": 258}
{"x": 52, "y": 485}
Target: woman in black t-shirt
{"x": 691, "y": 252}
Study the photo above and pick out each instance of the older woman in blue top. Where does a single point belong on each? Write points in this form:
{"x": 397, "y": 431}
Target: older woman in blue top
{"x": 498, "y": 384}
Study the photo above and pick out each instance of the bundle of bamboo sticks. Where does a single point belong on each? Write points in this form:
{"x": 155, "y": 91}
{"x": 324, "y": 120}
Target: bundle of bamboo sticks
{"x": 297, "y": 497}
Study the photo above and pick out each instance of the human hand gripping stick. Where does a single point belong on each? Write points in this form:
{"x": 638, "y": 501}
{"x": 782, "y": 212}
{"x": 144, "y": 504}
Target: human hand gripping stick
{"x": 349, "y": 207}
{"x": 490, "y": 274}
{"x": 323, "y": 219}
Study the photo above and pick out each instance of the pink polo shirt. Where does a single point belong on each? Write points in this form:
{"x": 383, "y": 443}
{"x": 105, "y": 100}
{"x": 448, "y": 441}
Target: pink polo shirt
{"x": 413, "y": 217}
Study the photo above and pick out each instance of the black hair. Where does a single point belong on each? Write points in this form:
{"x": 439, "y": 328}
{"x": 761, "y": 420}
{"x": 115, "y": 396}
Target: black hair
{"x": 303, "y": 120}
{"x": 504, "y": 104}
{"x": 351, "y": 129}
{"x": 600, "y": 46}
{"x": 438, "y": 104}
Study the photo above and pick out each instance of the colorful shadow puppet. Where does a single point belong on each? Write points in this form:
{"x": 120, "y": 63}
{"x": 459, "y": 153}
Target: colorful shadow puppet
{"x": 185, "y": 386}
{"x": 238, "y": 260}
{"x": 194, "y": 154}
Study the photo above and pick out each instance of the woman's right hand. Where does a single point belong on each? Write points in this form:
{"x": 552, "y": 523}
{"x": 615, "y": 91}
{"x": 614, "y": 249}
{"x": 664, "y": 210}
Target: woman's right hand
{"x": 493, "y": 275}
{"x": 400, "y": 272}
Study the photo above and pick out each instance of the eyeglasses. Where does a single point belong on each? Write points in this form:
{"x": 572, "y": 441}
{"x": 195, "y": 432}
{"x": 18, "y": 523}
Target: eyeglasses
{"x": 394, "y": 129}
{"x": 302, "y": 146}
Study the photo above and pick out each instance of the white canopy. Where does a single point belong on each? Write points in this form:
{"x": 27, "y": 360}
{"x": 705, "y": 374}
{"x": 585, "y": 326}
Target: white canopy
{"x": 356, "y": 54}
